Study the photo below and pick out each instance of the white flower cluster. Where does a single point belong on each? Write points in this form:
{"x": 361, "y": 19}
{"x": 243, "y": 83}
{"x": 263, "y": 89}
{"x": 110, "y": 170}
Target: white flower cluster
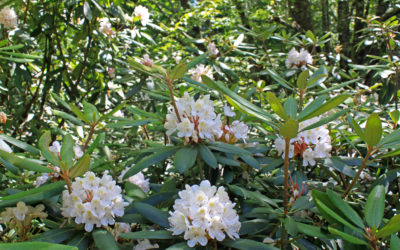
{"x": 22, "y": 212}
{"x": 212, "y": 48}
{"x": 42, "y": 179}
{"x": 199, "y": 71}
{"x": 310, "y": 144}
{"x": 298, "y": 59}
{"x": 121, "y": 228}
{"x": 137, "y": 179}
{"x": 204, "y": 213}
{"x": 200, "y": 122}
{"x": 8, "y": 18}
{"x": 56, "y": 149}
{"x": 105, "y": 27}
{"x": 143, "y": 14}
{"x": 93, "y": 201}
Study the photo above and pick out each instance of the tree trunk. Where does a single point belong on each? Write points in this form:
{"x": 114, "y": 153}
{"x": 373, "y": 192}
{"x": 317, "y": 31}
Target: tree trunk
{"x": 358, "y": 56}
{"x": 325, "y": 21}
{"x": 343, "y": 28}
{"x": 300, "y": 10}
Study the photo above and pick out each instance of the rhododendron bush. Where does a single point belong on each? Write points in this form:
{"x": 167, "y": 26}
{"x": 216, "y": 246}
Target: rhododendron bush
{"x": 199, "y": 124}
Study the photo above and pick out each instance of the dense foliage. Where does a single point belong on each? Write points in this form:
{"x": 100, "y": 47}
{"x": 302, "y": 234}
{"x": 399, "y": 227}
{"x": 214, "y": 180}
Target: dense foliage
{"x": 241, "y": 124}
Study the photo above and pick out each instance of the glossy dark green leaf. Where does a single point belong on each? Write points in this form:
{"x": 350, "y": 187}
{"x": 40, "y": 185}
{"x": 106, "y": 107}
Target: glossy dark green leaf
{"x": 159, "y": 235}
{"x": 207, "y": 156}
{"x": 35, "y": 245}
{"x": 67, "y": 151}
{"x": 24, "y": 163}
{"x": 20, "y": 144}
{"x": 90, "y": 112}
{"x": 44, "y": 143}
{"x": 81, "y": 167}
{"x": 375, "y": 206}
{"x": 328, "y": 105}
{"x": 104, "y": 240}
{"x": 58, "y": 235}
{"x": 178, "y": 72}
{"x": 290, "y": 107}
{"x": 392, "y": 227}
{"x": 246, "y": 244}
{"x": 252, "y": 195}
{"x": 228, "y": 148}
{"x": 347, "y": 237}
{"x": 185, "y": 158}
{"x": 153, "y": 214}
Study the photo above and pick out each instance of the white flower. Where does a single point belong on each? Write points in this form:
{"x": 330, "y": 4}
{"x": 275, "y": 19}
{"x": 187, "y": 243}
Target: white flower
{"x": 78, "y": 151}
{"x": 199, "y": 71}
{"x": 121, "y": 228}
{"x": 228, "y": 111}
{"x": 93, "y": 201}
{"x": 22, "y": 212}
{"x": 105, "y": 27}
{"x": 143, "y": 14}
{"x": 296, "y": 59}
{"x": 55, "y": 148}
{"x": 4, "y": 146}
{"x": 212, "y": 48}
{"x": 239, "y": 130}
{"x": 40, "y": 180}
{"x": 145, "y": 244}
{"x": 202, "y": 213}
{"x": 8, "y": 18}
{"x": 139, "y": 180}
{"x": 310, "y": 144}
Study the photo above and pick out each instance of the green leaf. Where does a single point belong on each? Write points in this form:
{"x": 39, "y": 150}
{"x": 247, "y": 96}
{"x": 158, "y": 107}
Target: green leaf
{"x": 159, "y": 155}
{"x": 373, "y": 130}
{"x": 44, "y": 143}
{"x": 58, "y": 235}
{"x": 318, "y": 77}
{"x": 392, "y": 227}
{"x": 290, "y": 107}
{"x": 395, "y": 116}
{"x": 262, "y": 199}
{"x": 289, "y": 129}
{"x": 113, "y": 111}
{"x": 227, "y": 148}
{"x": 181, "y": 245}
{"x": 20, "y": 144}
{"x": 67, "y": 116}
{"x": 87, "y": 11}
{"x": 394, "y": 242}
{"x": 130, "y": 123}
{"x": 311, "y": 230}
{"x": 153, "y": 214}
{"x": 207, "y": 156}
{"x": 375, "y": 206}
{"x": 81, "y": 167}
{"x": 158, "y": 235}
{"x": 35, "y": 245}
{"x": 79, "y": 113}
{"x": 96, "y": 142}
{"x": 245, "y": 244}
{"x": 24, "y": 163}
{"x": 33, "y": 195}
{"x": 178, "y": 72}
{"x": 345, "y": 208}
{"x": 358, "y": 129}
{"x": 185, "y": 158}
{"x": 67, "y": 151}
{"x": 326, "y": 120}
{"x": 302, "y": 80}
{"x": 390, "y": 138}
{"x": 276, "y": 105}
{"x": 252, "y": 227}
{"x": 336, "y": 216}
{"x": 104, "y": 240}
{"x": 279, "y": 79}
{"x": 251, "y": 161}
{"x": 328, "y": 105}
{"x": 313, "y": 106}
{"x": 90, "y": 112}
{"x": 347, "y": 237}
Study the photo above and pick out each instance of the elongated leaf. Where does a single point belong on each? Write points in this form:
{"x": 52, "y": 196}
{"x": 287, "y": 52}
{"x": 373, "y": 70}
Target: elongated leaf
{"x": 346, "y": 209}
{"x": 185, "y": 158}
{"x": 313, "y": 106}
{"x": 178, "y": 72}
{"x": 328, "y": 105}
{"x": 347, "y": 237}
{"x": 44, "y": 143}
{"x": 159, "y": 155}
{"x": 55, "y": 235}
{"x": 279, "y": 79}
{"x": 20, "y": 144}
{"x": 159, "y": 235}
{"x": 289, "y": 129}
{"x": 251, "y": 161}
{"x": 276, "y": 105}
{"x": 35, "y": 245}
{"x": 208, "y": 156}
{"x": 153, "y": 214}
{"x": 358, "y": 130}
{"x": 67, "y": 152}
{"x": 336, "y": 216}
{"x": 33, "y": 195}
{"x": 81, "y": 167}
{"x": 90, "y": 112}
{"x": 327, "y": 119}
{"x": 290, "y": 107}
{"x": 245, "y": 244}
{"x": 24, "y": 163}
{"x": 318, "y": 77}
{"x": 311, "y": 230}
{"x": 390, "y": 138}
{"x": 112, "y": 112}
{"x": 375, "y": 206}
{"x": 228, "y": 148}
{"x": 392, "y": 227}
{"x": 302, "y": 80}
{"x": 252, "y": 195}
{"x": 394, "y": 242}
{"x": 67, "y": 116}
{"x": 130, "y": 123}
{"x": 373, "y": 130}
{"x": 78, "y": 113}
{"x": 104, "y": 240}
